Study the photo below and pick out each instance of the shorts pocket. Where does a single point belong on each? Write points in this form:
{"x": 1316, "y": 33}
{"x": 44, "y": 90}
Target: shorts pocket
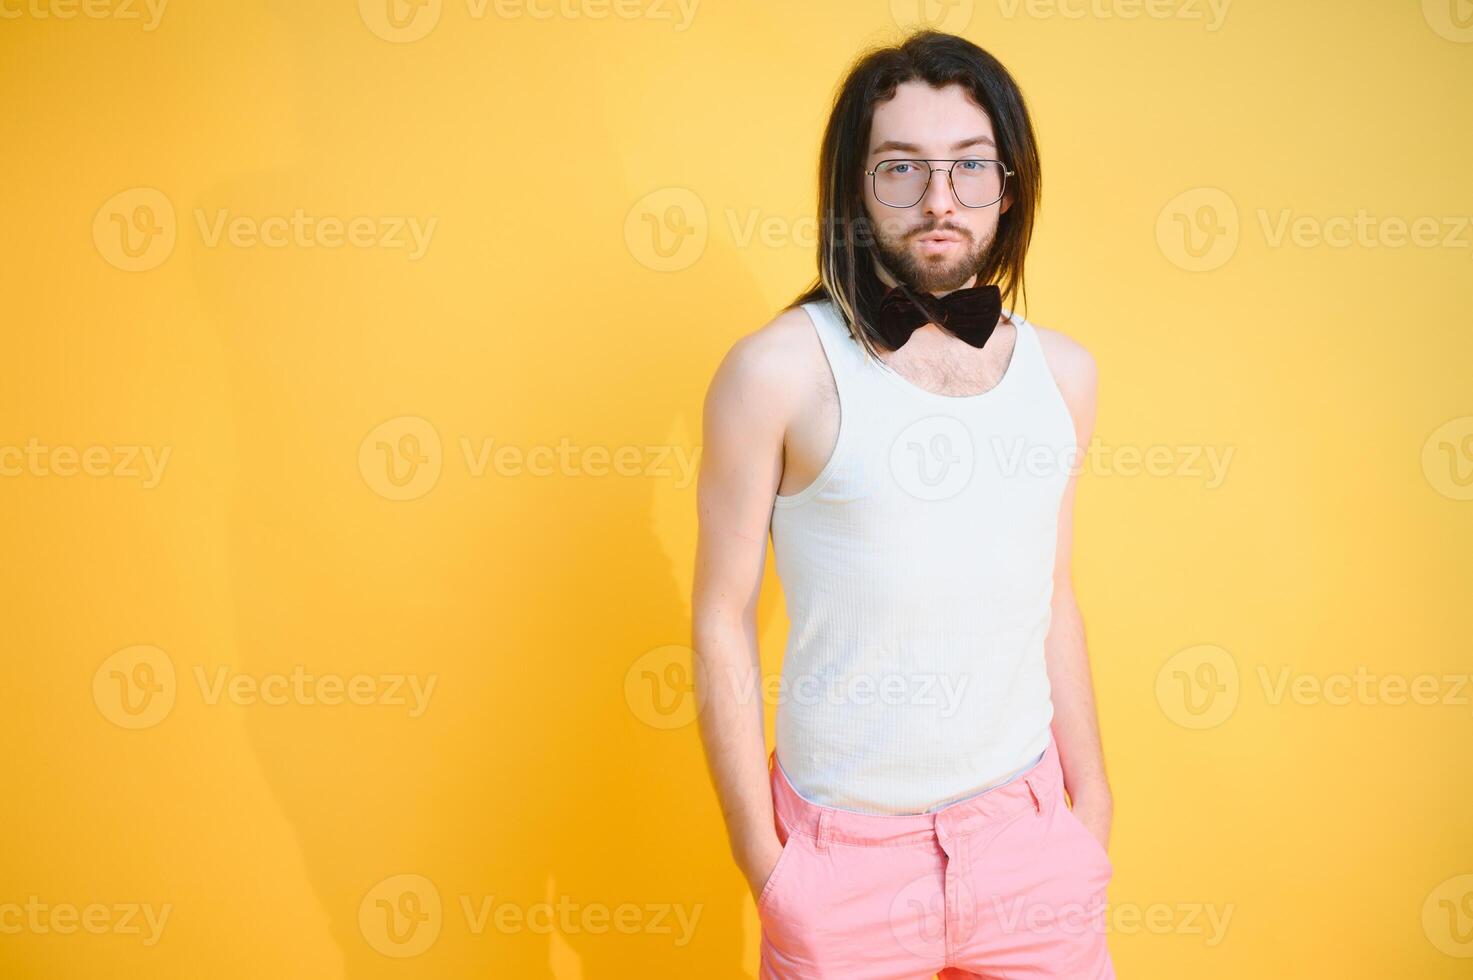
{"x": 784, "y": 858}
{"x": 1093, "y": 842}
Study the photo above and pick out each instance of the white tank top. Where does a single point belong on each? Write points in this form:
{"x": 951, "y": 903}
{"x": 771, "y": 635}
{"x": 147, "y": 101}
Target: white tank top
{"x": 917, "y": 570}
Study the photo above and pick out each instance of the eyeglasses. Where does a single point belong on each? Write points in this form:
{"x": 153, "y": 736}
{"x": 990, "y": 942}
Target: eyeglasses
{"x": 902, "y": 183}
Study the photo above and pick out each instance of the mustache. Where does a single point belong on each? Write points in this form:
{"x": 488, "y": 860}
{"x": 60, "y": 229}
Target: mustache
{"x": 948, "y": 229}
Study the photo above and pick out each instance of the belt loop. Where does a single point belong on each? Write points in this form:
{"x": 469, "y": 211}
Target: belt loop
{"x": 824, "y": 815}
{"x": 1037, "y": 807}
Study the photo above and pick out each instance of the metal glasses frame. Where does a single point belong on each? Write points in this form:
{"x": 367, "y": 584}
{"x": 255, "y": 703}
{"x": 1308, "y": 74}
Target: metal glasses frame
{"x": 875, "y": 190}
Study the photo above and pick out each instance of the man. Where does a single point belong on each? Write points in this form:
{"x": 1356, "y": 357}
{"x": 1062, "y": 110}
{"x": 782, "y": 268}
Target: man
{"x": 911, "y": 450}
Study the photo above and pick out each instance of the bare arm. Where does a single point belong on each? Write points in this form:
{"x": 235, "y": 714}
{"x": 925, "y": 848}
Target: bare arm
{"x": 1076, "y": 725}
{"x": 743, "y": 426}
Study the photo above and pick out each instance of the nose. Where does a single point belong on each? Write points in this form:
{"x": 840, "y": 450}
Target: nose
{"x": 939, "y": 199}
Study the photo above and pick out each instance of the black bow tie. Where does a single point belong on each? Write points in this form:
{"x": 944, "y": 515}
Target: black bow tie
{"x": 970, "y": 314}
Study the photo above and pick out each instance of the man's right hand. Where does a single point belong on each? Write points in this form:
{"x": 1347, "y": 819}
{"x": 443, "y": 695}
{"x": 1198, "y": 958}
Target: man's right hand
{"x": 758, "y": 863}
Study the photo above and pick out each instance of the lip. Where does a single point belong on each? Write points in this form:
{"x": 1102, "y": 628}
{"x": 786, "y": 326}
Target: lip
{"x": 937, "y": 245}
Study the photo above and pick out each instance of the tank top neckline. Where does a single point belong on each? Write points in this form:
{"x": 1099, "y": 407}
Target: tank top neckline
{"x": 898, "y": 379}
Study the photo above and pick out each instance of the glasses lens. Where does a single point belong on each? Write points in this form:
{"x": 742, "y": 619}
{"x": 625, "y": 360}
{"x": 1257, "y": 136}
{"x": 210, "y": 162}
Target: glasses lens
{"x": 900, "y": 183}
{"x": 977, "y": 183}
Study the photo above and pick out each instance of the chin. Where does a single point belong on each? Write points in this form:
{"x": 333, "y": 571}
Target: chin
{"x": 934, "y": 280}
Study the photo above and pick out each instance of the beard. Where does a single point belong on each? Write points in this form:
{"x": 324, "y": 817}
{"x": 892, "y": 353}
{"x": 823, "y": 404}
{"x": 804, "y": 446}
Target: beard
{"x": 931, "y": 273}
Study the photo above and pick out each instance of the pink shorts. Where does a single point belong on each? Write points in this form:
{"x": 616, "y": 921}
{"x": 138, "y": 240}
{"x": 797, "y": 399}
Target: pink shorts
{"x": 1007, "y": 883}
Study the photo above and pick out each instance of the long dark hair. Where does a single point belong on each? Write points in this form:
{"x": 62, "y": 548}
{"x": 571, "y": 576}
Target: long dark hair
{"x": 846, "y": 272}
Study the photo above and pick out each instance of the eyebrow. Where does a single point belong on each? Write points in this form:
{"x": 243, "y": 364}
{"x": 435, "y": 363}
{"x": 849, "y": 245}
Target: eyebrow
{"x": 912, "y": 148}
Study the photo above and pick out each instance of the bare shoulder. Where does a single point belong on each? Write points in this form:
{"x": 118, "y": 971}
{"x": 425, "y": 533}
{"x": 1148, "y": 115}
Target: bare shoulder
{"x": 1074, "y": 371}
{"x": 764, "y": 371}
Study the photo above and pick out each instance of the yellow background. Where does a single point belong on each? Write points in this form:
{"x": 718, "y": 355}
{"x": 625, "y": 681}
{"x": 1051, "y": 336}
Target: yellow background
{"x": 593, "y": 181}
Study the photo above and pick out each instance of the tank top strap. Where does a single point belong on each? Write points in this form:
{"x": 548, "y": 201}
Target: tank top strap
{"x": 1035, "y": 375}
{"x": 844, "y": 354}
{"x": 1027, "y": 354}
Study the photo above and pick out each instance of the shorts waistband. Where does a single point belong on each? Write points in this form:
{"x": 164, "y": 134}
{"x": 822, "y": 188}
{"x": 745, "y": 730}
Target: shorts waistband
{"x": 1032, "y": 789}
